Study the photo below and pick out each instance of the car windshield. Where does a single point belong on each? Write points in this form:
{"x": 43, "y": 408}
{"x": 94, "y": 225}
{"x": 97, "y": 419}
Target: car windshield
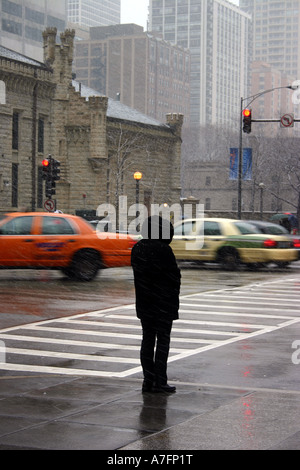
{"x": 274, "y": 230}
{"x": 188, "y": 228}
{"x": 245, "y": 228}
{"x": 269, "y": 229}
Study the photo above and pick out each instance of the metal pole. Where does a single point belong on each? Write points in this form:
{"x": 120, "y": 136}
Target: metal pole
{"x": 240, "y": 163}
{"x": 33, "y": 143}
{"x": 252, "y": 98}
{"x": 137, "y": 201}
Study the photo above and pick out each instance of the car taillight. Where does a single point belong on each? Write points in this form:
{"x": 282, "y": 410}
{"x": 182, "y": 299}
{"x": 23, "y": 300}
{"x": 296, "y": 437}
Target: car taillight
{"x": 269, "y": 243}
{"x": 296, "y": 243}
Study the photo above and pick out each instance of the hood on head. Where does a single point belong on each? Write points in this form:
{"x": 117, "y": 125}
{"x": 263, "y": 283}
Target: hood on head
{"x": 157, "y": 228}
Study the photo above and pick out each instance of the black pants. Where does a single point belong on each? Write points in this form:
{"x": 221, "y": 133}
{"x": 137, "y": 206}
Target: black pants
{"x": 154, "y": 360}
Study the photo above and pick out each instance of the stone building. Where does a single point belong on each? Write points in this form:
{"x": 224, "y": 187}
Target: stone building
{"x": 99, "y": 142}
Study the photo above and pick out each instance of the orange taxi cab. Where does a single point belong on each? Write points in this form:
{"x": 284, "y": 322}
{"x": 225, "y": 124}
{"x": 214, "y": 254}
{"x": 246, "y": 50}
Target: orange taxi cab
{"x": 60, "y": 241}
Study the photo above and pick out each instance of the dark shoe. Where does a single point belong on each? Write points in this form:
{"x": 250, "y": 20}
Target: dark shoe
{"x": 164, "y": 388}
{"x": 147, "y": 386}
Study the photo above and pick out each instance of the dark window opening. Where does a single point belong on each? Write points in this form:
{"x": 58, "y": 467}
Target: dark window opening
{"x": 41, "y": 135}
{"x": 15, "y": 181}
{"x": 15, "y": 131}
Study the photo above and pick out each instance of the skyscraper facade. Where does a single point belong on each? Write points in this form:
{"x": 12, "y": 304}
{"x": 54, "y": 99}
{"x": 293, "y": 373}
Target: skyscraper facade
{"x": 276, "y": 33}
{"x": 94, "y": 12}
{"x": 137, "y": 68}
{"x": 23, "y": 21}
{"x": 217, "y": 34}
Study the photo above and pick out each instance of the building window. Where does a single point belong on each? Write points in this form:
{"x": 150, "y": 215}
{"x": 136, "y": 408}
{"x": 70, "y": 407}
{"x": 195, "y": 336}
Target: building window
{"x": 12, "y": 8}
{"x": 15, "y": 131}
{"x": 55, "y": 22}
{"x": 11, "y": 26}
{"x": 15, "y": 178}
{"x": 33, "y": 33}
{"x": 207, "y": 203}
{"x": 34, "y": 16}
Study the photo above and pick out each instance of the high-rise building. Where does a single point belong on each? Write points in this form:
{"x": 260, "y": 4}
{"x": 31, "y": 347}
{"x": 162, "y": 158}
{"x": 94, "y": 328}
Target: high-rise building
{"x": 276, "y": 58}
{"x": 137, "y": 68}
{"x": 23, "y": 21}
{"x": 94, "y": 12}
{"x": 217, "y": 33}
{"x": 276, "y": 33}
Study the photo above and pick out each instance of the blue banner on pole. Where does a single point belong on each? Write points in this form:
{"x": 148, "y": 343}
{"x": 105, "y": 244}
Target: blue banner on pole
{"x": 246, "y": 166}
{"x": 234, "y": 164}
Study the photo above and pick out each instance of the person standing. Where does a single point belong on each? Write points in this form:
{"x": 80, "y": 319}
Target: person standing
{"x": 157, "y": 281}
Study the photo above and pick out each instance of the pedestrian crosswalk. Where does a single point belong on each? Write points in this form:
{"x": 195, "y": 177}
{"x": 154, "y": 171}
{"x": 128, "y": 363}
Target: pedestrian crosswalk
{"x": 106, "y": 343}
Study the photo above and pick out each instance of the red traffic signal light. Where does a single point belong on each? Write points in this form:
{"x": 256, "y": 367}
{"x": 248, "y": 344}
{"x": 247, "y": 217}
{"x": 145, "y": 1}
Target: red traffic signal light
{"x": 46, "y": 168}
{"x": 247, "y": 119}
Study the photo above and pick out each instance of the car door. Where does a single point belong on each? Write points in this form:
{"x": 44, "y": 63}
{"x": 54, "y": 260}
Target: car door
{"x": 56, "y": 242}
{"x": 213, "y": 239}
{"x": 17, "y": 242}
{"x": 188, "y": 239}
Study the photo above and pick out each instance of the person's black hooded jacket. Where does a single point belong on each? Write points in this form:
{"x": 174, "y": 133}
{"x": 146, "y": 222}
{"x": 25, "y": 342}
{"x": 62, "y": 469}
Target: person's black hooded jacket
{"x": 156, "y": 274}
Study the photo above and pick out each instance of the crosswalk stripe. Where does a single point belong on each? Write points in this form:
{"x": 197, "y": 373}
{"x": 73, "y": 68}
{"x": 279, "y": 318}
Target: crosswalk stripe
{"x": 205, "y": 323}
{"x": 64, "y": 355}
{"x": 90, "y": 344}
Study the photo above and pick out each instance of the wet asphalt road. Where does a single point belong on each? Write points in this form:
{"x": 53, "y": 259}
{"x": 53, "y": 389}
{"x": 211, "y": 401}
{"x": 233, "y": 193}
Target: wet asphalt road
{"x": 28, "y": 295}
{"x": 237, "y": 393}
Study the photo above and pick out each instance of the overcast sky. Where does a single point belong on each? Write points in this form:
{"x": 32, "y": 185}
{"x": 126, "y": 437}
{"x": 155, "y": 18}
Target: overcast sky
{"x": 136, "y": 11}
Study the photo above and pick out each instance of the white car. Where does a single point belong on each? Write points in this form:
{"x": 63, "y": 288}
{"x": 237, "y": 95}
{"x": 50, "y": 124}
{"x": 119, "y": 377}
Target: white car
{"x": 229, "y": 242}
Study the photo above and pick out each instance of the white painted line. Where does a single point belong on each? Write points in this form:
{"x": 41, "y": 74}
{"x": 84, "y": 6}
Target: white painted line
{"x": 251, "y": 295}
{"x": 199, "y": 304}
{"x": 234, "y": 314}
{"x": 124, "y": 335}
{"x": 64, "y": 355}
{"x": 59, "y": 370}
{"x": 101, "y": 313}
{"x": 174, "y": 329}
{"x": 226, "y": 342}
{"x": 34, "y": 339}
{"x": 204, "y": 305}
{"x": 193, "y": 322}
{"x": 260, "y": 301}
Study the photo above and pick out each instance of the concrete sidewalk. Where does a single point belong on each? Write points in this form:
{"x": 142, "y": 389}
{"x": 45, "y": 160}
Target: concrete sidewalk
{"x": 73, "y": 413}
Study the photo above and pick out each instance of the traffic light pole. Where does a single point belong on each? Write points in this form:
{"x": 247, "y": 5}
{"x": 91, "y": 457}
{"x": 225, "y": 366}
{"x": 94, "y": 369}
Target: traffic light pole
{"x": 252, "y": 98}
{"x": 240, "y": 163}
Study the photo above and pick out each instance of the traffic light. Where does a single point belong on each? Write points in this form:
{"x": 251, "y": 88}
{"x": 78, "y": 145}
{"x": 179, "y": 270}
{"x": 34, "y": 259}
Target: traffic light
{"x": 49, "y": 191}
{"x": 55, "y": 170}
{"x": 247, "y": 119}
{"x": 51, "y": 173}
{"x": 46, "y": 169}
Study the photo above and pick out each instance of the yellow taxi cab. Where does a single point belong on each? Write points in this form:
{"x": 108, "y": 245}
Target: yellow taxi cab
{"x": 229, "y": 242}
{"x": 60, "y": 241}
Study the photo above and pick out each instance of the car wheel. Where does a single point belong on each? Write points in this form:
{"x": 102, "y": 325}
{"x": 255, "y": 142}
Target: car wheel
{"x": 282, "y": 264}
{"x": 229, "y": 259}
{"x": 85, "y": 265}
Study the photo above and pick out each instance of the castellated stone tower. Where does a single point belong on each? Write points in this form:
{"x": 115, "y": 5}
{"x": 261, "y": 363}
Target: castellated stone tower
{"x": 59, "y": 57}
{"x": 175, "y": 121}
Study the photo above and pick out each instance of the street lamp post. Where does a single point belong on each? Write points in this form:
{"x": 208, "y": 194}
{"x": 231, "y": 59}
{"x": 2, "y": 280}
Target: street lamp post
{"x": 240, "y": 166}
{"x": 137, "y": 176}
